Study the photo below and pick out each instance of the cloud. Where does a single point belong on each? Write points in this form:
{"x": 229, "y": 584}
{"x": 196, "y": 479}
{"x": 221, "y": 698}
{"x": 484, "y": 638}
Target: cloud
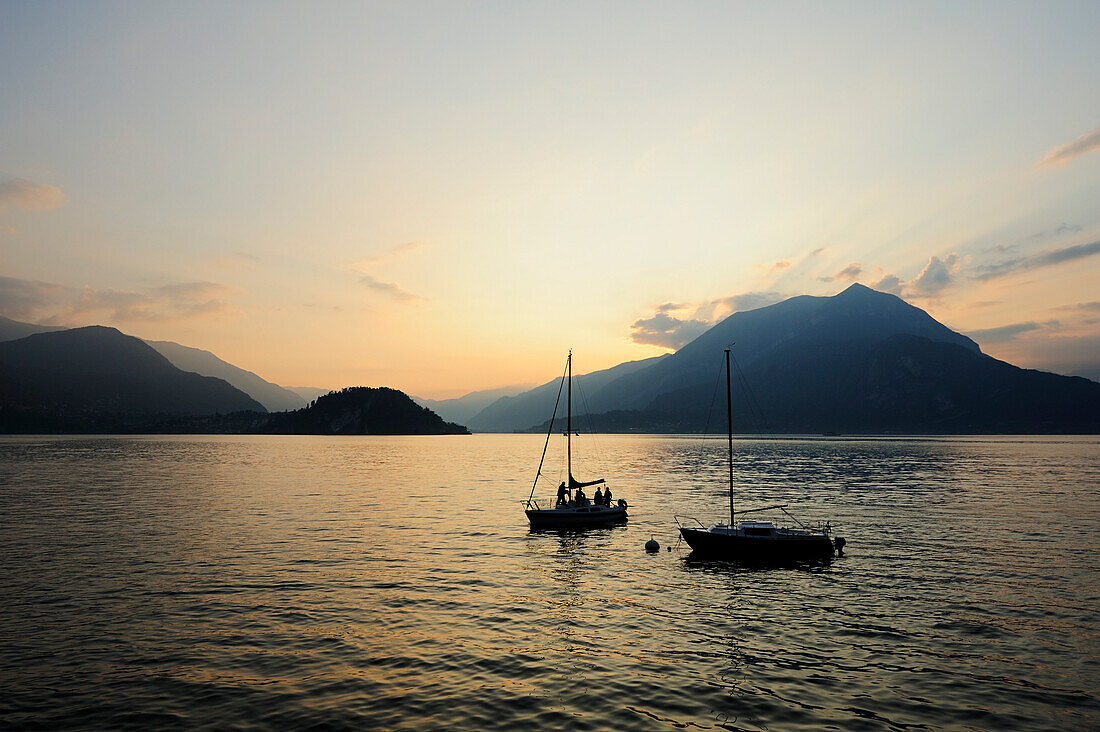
{"x": 665, "y": 330}
{"x": 1066, "y": 254}
{"x": 722, "y": 307}
{"x": 183, "y": 301}
{"x": 389, "y": 288}
{"x": 118, "y": 305}
{"x": 393, "y": 252}
{"x": 21, "y": 299}
{"x": 1063, "y": 154}
{"x": 1063, "y": 228}
{"x": 790, "y": 263}
{"x": 52, "y": 303}
{"x": 367, "y": 277}
{"x": 671, "y": 326}
{"x": 936, "y": 275}
{"x": 192, "y": 291}
{"x": 23, "y": 193}
{"x": 238, "y": 261}
{"x": 889, "y": 283}
{"x": 933, "y": 279}
{"x": 853, "y": 270}
{"x": 1043, "y": 259}
{"x": 1008, "y": 332}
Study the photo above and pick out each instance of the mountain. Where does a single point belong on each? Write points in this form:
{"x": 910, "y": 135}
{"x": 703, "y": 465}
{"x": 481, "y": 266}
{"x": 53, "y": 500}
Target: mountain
{"x": 71, "y": 374}
{"x": 11, "y": 330}
{"x": 517, "y": 412}
{"x": 362, "y": 411}
{"x": 308, "y": 393}
{"x": 799, "y": 324}
{"x": 861, "y": 361}
{"x": 97, "y": 379}
{"x": 273, "y": 397}
{"x": 464, "y": 407}
{"x": 900, "y": 384}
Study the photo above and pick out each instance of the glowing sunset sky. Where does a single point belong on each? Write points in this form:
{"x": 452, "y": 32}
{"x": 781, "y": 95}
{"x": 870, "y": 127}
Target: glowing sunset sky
{"x": 445, "y": 197}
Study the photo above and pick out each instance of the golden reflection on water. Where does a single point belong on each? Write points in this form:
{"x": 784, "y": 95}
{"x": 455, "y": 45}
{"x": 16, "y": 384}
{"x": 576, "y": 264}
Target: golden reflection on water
{"x": 392, "y": 582}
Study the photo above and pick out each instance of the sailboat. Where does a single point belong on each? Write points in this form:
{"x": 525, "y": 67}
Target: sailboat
{"x": 571, "y": 508}
{"x": 757, "y": 541}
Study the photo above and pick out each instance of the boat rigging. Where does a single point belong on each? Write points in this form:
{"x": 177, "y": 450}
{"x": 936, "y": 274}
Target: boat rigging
{"x": 571, "y": 507}
{"x": 757, "y": 541}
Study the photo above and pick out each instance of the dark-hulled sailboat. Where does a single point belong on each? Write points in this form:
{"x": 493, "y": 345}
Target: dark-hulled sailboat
{"x": 757, "y": 541}
{"x": 570, "y": 509}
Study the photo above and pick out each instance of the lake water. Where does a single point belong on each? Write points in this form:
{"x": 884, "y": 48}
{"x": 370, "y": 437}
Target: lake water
{"x": 392, "y": 583}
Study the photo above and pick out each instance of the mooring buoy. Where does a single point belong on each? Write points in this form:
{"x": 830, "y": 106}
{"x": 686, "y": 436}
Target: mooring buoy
{"x": 652, "y": 545}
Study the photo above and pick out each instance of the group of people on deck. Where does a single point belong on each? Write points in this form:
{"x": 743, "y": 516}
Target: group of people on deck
{"x": 600, "y": 499}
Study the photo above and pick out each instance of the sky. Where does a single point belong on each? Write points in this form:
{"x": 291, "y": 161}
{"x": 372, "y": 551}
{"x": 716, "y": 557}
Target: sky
{"x": 444, "y": 197}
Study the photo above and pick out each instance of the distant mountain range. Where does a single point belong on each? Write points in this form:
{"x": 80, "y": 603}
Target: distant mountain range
{"x": 308, "y": 393}
{"x": 858, "y": 362}
{"x": 513, "y": 413}
{"x": 97, "y": 379}
{"x": 861, "y": 361}
{"x": 461, "y": 409}
{"x": 72, "y": 375}
{"x": 10, "y": 329}
{"x": 273, "y": 397}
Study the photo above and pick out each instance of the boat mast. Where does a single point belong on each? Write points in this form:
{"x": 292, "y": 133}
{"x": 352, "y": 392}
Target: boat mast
{"x": 729, "y": 422}
{"x": 549, "y": 432}
{"x": 569, "y": 421}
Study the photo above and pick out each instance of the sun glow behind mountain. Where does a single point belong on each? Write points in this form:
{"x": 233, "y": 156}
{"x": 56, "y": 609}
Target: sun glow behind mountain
{"x": 446, "y": 198}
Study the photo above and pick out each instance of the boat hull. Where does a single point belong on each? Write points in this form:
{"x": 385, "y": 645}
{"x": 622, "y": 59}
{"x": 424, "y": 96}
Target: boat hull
{"x": 735, "y": 547}
{"x": 564, "y": 518}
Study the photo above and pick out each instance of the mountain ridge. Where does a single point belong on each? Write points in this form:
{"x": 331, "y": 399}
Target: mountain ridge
{"x": 861, "y": 360}
{"x": 101, "y": 369}
{"x": 806, "y": 320}
{"x": 510, "y": 413}
{"x": 462, "y": 408}
{"x": 273, "y": 397}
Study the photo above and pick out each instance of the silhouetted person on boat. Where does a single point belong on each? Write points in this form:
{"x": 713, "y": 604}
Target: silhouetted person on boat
{"x": 561, "y": 494}
{"x": 582, "y": 500}
{"x": 607, "y": 497}
{"x": 598, "y": 498}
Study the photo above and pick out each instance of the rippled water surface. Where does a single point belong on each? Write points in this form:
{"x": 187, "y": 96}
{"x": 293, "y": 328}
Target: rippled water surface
{"x": 392, "y": 583}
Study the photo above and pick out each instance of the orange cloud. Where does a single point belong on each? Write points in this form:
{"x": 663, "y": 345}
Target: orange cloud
{"x": 367, "y": 277}
{"x": 781, "y": 264}
{"x": 1063, "y": 154}
{"x": 52, "y": 303}
{"x": 23, "y": 193}
{"x": 853, "y": 270}
{"x": 671, "y": 327}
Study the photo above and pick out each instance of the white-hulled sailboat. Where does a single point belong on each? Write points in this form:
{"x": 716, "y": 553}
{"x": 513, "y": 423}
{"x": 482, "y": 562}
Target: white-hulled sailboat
{"x": 570, "y": 509}
{"x": 756, "y": 541}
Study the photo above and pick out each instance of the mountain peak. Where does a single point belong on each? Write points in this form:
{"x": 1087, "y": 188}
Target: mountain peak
{"x": 98, "y": 331}
{"x": 100, "y": 370}
{"x": 857, "y": 290}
